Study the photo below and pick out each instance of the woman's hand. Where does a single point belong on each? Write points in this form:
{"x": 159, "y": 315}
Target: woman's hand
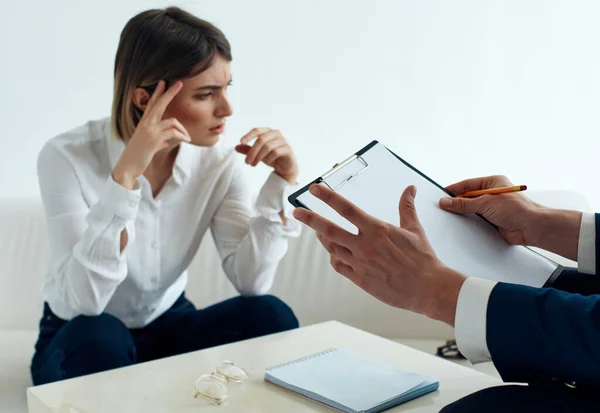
{"x": 151, "y": 135}
{"x": 272, "y": 149}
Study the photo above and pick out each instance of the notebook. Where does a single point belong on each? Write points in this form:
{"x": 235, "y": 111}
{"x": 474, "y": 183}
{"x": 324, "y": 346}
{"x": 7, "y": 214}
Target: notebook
{"x": 349, "y": 382}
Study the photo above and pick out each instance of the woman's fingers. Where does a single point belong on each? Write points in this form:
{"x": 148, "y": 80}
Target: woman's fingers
{"x": 277, "y": 153}
{"x": 173, "y": 138}
{"x": 260, "y": 142}
{"x": 158, "y": 108}
{"x": 247, "y": 138}
{"x": 173, "y": 123}
{"x": 243, "y": 149}
{"x": 160, "y": 88}
{"x": 273, "y": 150}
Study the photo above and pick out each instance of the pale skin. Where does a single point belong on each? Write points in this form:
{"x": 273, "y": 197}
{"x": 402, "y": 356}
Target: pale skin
{"x": 193, "y": 111}
{"x": 397, "y": 265}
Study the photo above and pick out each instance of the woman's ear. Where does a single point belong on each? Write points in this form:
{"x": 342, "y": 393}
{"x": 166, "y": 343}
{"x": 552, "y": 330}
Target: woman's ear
{"x": 140, "y": 98}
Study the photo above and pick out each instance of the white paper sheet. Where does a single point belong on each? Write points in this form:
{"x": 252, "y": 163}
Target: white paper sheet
{"x": 467, "y": 244}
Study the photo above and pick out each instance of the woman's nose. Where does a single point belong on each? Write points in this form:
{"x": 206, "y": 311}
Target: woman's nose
{"x": 224, "y": 108}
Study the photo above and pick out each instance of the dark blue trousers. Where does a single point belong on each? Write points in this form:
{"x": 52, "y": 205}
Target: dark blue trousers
{"x": 526, "y": 399}
{"x": 86, "y": 345}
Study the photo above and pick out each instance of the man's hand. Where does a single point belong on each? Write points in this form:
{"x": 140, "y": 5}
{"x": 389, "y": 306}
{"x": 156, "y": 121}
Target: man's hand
{"x": 520, "y": 220}
{"x": 512, "y": 213}
{"x": 396, "y": 265}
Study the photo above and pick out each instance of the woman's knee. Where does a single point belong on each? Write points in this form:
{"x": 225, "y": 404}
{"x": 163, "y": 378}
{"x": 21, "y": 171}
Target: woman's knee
{"x": 101, "y": 327}
{"x": 103, "y": 335}
{"x": 84, "y": 345}
{"x": 271, "y": 311}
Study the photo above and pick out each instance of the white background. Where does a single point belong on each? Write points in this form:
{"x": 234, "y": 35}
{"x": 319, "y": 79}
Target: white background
{"x": 458, "y": 88}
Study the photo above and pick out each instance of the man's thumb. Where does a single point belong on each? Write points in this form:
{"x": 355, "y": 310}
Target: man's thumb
{"x": 459, "y": 205}
{"x": 408, "y": 212}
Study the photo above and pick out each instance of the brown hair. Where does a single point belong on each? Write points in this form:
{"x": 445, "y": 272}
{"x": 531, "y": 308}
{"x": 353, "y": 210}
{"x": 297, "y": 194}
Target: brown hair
{"x": 160, "y": 44}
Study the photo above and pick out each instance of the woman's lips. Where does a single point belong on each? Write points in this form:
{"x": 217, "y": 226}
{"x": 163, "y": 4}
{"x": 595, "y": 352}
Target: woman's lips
{"x": 217, "y": 130}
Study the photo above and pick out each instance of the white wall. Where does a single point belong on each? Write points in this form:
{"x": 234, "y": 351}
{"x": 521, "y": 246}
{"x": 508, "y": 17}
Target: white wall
{"x": 459, "y": 88}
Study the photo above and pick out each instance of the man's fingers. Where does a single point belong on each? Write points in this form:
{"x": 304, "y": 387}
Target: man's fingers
{"x": 462, "y": 205}
{"x": 158, "y": 109}
{"x": 342, "y": 268}
{"x": 345, "y": 208}
{"x": 461, "y": 187}
{"x": 334, "y": 249}
{"x": 476, "y": 184}
{"x": 347, "y": 271}
{"x": 408, "y": 212}
{"x": 324, "y": 226}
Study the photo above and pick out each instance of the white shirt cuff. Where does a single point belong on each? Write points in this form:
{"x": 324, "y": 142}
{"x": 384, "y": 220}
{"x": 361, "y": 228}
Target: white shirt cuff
{"x": 586, "y": 253}
{"x": 272, "y": 199}
{"x": 471, "y": 319}
{"x": 120, "y": 201}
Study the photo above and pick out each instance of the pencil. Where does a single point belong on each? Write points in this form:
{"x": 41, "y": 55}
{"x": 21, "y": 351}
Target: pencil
{"x": 493, "y": 191}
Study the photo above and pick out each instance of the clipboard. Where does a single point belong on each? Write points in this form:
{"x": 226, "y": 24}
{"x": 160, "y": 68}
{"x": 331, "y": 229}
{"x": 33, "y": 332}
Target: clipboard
{"x": 375, "y": 177}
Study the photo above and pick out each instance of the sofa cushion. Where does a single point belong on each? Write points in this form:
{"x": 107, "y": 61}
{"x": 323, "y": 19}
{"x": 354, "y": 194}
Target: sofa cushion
{"x": 16, "y": 350}
{"x": 23, "y": 258}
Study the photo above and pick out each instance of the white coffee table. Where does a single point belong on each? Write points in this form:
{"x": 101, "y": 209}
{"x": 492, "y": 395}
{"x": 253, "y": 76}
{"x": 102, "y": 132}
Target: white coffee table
{"x": 167, "y": 385}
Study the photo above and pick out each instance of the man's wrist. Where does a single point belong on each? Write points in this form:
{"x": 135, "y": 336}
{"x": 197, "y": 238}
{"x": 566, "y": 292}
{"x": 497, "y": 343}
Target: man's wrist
{"x": 444, "y": 287}
{"x": 556, "y": 230}
{"x": 536, "y": 222}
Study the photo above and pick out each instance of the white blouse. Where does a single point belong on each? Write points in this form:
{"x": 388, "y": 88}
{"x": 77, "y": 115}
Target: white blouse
{"x": 86, "y": 212}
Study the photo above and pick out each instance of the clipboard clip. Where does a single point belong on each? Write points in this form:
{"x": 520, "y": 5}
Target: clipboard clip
{"x": 336, "y": 169}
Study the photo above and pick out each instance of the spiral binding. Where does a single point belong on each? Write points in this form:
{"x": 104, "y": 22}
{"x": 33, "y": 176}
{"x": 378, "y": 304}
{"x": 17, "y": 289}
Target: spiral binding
{"x": 305, "y": 358}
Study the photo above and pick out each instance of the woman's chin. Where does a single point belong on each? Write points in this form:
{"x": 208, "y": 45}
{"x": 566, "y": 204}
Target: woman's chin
{"x": 209, "y": 140}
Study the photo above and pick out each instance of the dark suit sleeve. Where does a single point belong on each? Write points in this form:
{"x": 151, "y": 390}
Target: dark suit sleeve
{"x": 543, "y": 334}
{"x": 548, "y": 334}
{"x": 572, "y": 281}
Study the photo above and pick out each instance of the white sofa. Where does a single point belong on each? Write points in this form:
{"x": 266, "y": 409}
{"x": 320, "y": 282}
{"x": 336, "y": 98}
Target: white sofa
{"x": 305, "y": 281}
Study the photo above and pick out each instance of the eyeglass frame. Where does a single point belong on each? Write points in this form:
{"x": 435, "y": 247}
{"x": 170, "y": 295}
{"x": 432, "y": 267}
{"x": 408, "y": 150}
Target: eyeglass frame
{"x": 222, "y": 377}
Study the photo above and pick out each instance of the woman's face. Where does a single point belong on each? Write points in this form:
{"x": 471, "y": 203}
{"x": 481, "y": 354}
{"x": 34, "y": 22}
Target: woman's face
{"x": 202, "y": 105}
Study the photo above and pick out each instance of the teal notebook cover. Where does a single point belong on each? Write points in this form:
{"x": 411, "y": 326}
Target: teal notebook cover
{"x": 349, "y": 382}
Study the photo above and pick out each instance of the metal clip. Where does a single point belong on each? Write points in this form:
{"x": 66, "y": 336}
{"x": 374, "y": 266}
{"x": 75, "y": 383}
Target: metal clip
{"x": 340, "y": 166}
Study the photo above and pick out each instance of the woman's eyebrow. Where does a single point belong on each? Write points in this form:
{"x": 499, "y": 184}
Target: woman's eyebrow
{"x": 212, "y": 86}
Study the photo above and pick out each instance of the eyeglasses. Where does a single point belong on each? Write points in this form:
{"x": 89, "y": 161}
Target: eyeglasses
{"x": 213, "y": 386}
{"x": 449, "y": 350}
